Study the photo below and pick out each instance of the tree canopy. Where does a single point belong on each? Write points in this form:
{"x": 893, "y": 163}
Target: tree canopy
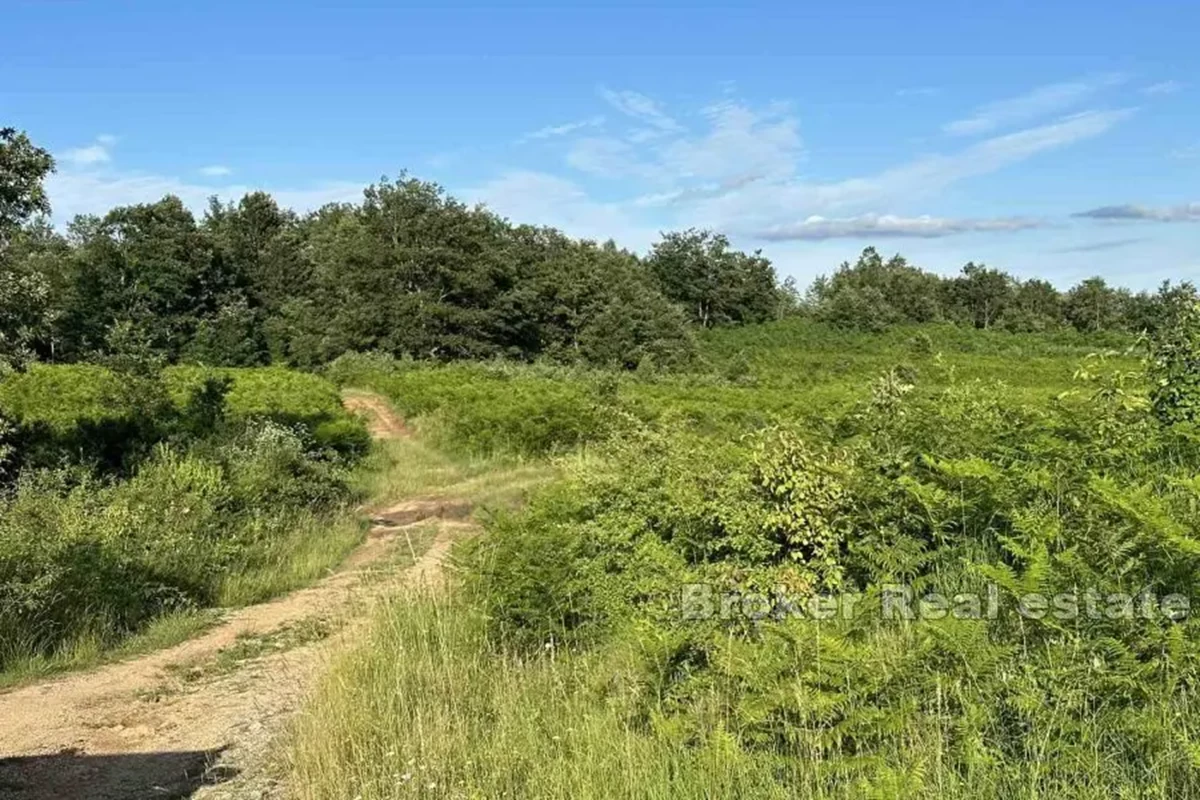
{"x": 409, "y": 271}
{"x": 874, "y": 294}
{"x": 413, "y": 272}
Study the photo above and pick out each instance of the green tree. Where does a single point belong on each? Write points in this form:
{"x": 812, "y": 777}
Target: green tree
{"x": 1152, "y": 312}
{"x": 1092, "y": 306}
{"x": 25, "y": 317}
{"x": 873, "y": 294}
{"x": 23, "y": 170}
{"x": 983, "y": 294}
{"x": 715, "y": 284}
{"x": 410, "y": 271}
{"x": 1036, "y": 306}
{"x": 262, "y": 246}
{"x": 25, "y": 306}
{"x": 146, "y": 265}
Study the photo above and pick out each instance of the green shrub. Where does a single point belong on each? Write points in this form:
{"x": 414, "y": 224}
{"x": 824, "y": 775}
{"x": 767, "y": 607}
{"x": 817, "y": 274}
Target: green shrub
{"x": 67, "y": 414}
{"x": 80, "y": 556}
{"x": 947, "y": 490}
{"x": 284, "y": 395}
{"x": 346, "y": 437}
{"x": 1175, "y": 367}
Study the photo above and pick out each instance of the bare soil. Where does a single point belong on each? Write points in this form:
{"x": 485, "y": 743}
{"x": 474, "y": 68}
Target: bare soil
{"x": 142, "y": 729}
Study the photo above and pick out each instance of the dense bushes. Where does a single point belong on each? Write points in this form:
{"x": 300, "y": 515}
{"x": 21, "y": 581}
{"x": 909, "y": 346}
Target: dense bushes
{"x": 130, "y": 494}
{"x": 672, "y": 593}
{"x": 90, "y": 414}
{"x": 955, "y": 491}
{"x": 1175, "y": 367}
{"x": 84, "y": 556}
{"x": 283, "y": 395}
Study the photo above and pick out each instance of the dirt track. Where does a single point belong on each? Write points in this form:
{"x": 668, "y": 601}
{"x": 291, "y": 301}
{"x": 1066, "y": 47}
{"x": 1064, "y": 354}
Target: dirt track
{"x": 143, "y": 729}
{"x": 382, "y": 422}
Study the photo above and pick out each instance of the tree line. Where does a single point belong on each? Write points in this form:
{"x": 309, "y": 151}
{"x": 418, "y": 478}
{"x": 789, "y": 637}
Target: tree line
{"x": 874, "y": 294}
{"x": 413, "y": 272}
{"x": 408, "y": 271}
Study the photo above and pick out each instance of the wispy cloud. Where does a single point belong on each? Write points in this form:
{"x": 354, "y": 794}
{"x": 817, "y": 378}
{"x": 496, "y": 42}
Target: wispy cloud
{"x": 739, "y": 170}
{"x": 614, "y": 159}
{"x": 1096, "y": 247}
{"x": 552, "y": 131}
{"x": 1164, "y": 87}
{"x": 216, "y": 171}
{"x": 867, "y": 226}
{"x": 739, "y": 141}
{"x": 765, "y": 204}
{"x": 1043, "y": 101}
{"x": 997, "y": 152}
{"x": 1188, "y": 212}
{"x": 641, "y": 108}
{"x": 1190, "y": 151}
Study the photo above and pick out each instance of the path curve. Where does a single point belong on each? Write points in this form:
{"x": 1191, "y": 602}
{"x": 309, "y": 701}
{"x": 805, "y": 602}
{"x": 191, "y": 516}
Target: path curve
{"x": 382, "y": 420}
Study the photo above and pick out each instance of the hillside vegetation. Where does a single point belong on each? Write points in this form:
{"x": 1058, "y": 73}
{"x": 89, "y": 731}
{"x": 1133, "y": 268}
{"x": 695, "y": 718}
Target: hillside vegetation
{"x": 666, "y": 620}
{"x": 904, "y": 535}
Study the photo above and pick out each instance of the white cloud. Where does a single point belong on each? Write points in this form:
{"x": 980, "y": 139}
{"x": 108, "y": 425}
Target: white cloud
{"x": 92, "y": 191}
{"x": 740, "y": 144}
{"x": 216, "y": 171}
{"x": 97, "y": 153}
{"x": 1040, "y": 102}
{"x": 764, "y": 204}
{"x": 1164, "y": 87}
{"x": 739, "y": 171}
{"x": 995, "y": 153}
{"x": 817, "y": 228}
{"x": 613, "y": 158}
{"x": 551, "y": 131}
{"x": 740, "y": 141}
{"x": 539, "y": 198}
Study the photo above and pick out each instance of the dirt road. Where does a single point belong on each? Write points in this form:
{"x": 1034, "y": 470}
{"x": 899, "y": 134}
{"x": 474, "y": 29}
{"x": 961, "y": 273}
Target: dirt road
{"x": 198, "y": 719}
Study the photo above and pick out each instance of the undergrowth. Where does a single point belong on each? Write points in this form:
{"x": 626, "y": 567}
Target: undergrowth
{"x": 230, "y": 496}
{"x": 651, "y": 624}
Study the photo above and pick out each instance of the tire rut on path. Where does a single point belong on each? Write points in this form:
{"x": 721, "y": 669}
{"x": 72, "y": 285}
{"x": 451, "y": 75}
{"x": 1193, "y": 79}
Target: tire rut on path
{"x": 134, "y": 729}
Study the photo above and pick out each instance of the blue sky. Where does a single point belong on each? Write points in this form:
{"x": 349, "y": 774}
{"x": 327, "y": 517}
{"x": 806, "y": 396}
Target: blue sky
{"x": 1058, "y": 139}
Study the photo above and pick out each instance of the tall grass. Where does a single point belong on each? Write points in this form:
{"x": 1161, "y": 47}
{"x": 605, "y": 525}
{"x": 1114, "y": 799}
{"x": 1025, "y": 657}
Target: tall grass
{"x": 430, "y": 706}
{"x": 427, "y": 708}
